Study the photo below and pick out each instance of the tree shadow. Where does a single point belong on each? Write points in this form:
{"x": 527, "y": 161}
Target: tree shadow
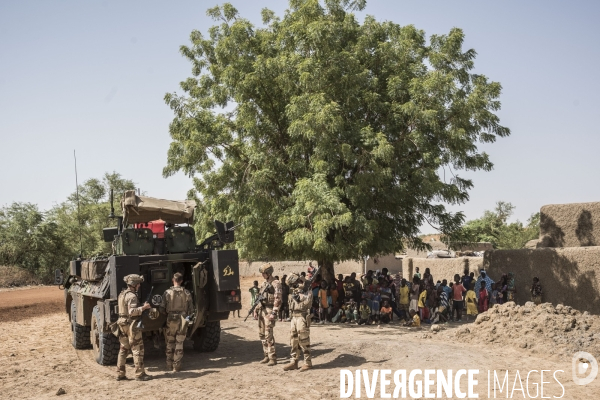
{"x": 344, "y": 361}
{"x": 552, "y": 234}
{"x": 233, "y": 350}
{"x": 585, "y": 229}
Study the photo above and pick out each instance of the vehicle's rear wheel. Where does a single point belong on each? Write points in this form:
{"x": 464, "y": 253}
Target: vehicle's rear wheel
{"x": 207, "y": 339}
{"x": 105, "y": 345}
{"x": 81, "y": 334}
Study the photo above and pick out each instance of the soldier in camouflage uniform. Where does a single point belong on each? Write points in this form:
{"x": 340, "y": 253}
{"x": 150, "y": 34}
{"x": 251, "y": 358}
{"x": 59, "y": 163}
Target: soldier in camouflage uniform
{"x": 177, "y": 304}
{"x": 299, "y": 305}
{"x": 129, "y": 337}
{"x": 266, "y": 312}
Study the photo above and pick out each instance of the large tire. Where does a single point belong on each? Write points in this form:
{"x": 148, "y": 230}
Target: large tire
{"x": 207, "y": 339}
{"x": 81, "y": 334}
{"x": 105, "y": 345}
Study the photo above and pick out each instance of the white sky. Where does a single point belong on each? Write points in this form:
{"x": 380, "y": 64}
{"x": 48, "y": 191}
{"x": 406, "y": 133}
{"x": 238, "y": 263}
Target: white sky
{"x": 91, "y": 76}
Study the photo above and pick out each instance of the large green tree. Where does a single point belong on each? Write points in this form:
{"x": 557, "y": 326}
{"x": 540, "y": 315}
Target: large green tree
{"x": 328, "y": 138}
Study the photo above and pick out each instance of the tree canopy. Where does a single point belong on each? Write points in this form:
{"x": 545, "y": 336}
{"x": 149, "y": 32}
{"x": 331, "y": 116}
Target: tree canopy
{"x": 41, "y": 241}
{"x": 328, "y": 138}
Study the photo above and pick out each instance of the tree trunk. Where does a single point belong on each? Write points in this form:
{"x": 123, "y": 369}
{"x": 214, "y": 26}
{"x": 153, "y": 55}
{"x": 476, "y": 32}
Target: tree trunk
{"x": 327, "y": 271}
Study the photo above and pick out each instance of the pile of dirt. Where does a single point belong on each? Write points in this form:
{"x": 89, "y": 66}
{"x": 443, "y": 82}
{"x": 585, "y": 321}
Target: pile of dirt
{"x": 559, "y": 330}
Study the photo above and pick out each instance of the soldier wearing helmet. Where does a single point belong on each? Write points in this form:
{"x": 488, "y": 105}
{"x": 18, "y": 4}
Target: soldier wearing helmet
{"x": 266, "y": 312}
{"x": 177, "y": 304}
{"x": 299, "y": 305}
{"x": 130, "y": 337}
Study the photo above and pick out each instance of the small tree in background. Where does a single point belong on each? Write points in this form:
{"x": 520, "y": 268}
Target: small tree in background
{"x": 329, "y": 139}
{"x": 493, "y": 227}
{"x": 31, "y": 240}
{"x": 94, "y": 208}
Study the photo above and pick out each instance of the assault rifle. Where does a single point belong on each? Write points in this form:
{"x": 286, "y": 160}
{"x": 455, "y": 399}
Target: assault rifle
{"x": 259, "y": 299}
{"x": 307, "y": 284}
{"x": 140, "y": 324}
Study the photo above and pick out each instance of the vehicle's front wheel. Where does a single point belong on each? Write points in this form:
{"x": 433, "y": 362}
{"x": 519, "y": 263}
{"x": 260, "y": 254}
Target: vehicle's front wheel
{"x": 207, "y": 339}
{"x": 81, "y": 334}
{"x": 105, "y": 345}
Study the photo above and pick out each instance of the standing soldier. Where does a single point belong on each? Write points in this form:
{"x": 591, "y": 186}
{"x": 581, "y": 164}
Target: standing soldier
{"x": 266, "y": 312}
{"x": 177, "y": 304}
{"x": 299, "y": 304}
{"x": 130, "y": 337}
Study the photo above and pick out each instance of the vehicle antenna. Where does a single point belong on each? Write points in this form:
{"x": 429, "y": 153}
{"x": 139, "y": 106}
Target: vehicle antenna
{"x": 78, "y": 215}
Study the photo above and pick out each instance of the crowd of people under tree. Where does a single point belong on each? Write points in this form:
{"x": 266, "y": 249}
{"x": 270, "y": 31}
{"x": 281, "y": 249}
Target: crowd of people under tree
{"x": 378, "y": 296}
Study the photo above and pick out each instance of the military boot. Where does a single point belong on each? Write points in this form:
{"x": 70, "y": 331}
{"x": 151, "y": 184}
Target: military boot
{"x": 291, "y": 366}
{"x": 272, "y": 361}
{"x": 169, "y": 367}
{"x": 121, "y": 378}
{"x": 306, "y": 367}
{"x": 265, "y": 360}
{"x": 143, "y": 377}
{"x": 177, "y": 368}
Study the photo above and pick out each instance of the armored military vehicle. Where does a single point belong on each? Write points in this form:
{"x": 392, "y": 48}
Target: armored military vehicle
{"x": 153, "y": 238}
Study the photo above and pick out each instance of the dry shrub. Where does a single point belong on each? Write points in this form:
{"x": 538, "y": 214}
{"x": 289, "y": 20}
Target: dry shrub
{"x": 14, "y": 276}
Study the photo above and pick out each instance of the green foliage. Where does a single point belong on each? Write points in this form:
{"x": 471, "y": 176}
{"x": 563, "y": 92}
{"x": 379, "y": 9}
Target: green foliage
{"x": 94, "y": 208}
{"x": 329, "y": 139}
{"x": 493, "y": 227}
{"x": 30, "y": 239}
{"x": 43, "y": 241}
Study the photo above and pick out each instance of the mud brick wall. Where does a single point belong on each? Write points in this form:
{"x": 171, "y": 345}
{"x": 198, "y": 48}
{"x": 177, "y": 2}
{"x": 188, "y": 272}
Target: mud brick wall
{"x": 442, "y": 268}
{"x": 569, "y": 276}
{"x": 570, "y": 225}
{"x": 286, "y": 267}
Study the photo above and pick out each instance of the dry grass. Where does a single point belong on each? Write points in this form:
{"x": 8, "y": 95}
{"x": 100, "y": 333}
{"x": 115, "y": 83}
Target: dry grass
{"x": 14, "y": 276}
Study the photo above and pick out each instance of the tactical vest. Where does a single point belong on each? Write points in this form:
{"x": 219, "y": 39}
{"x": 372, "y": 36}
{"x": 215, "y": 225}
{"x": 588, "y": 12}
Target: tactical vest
{"x": 123, "y": 307}
{"x": 176, "y": 300}
{"x": 300, "y": 308}
{"x": 269, "y": 300}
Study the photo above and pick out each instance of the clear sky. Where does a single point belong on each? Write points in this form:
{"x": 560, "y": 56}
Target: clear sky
{"x": 91, "y": 76}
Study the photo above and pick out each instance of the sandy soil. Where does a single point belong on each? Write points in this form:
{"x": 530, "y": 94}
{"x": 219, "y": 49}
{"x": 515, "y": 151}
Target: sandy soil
{"x": 36, "y": 359}
{"x": 22, "y": 303}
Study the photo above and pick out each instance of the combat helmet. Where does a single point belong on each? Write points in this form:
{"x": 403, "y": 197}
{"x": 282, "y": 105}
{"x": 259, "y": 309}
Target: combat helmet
{"x": 294, "y": 279}
{"x": 266, "y": 269}
{"x": 133, "y": 279}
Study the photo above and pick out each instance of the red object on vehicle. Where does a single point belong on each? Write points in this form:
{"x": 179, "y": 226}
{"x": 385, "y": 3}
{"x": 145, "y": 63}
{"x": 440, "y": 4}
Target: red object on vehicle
{"x": 157, "y": 228}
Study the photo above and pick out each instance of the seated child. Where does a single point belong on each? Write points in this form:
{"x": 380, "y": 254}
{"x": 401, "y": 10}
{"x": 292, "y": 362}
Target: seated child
{"x": 386, "y": 312}
{"x": 351, "y": 311}
{"x": 364, "y": 313}
{"x": 415, "y": 321}
{"x": 337, "y": 312}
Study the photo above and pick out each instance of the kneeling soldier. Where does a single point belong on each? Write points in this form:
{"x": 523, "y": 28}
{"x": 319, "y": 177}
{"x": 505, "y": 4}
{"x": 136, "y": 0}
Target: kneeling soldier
{"x": 130, "y": 337}
{"x": 177, "y": 303}
{"x": 299, "y": 304}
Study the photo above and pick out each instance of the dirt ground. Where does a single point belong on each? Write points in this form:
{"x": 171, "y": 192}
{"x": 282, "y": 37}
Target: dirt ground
{"x": 36, "y": 359}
